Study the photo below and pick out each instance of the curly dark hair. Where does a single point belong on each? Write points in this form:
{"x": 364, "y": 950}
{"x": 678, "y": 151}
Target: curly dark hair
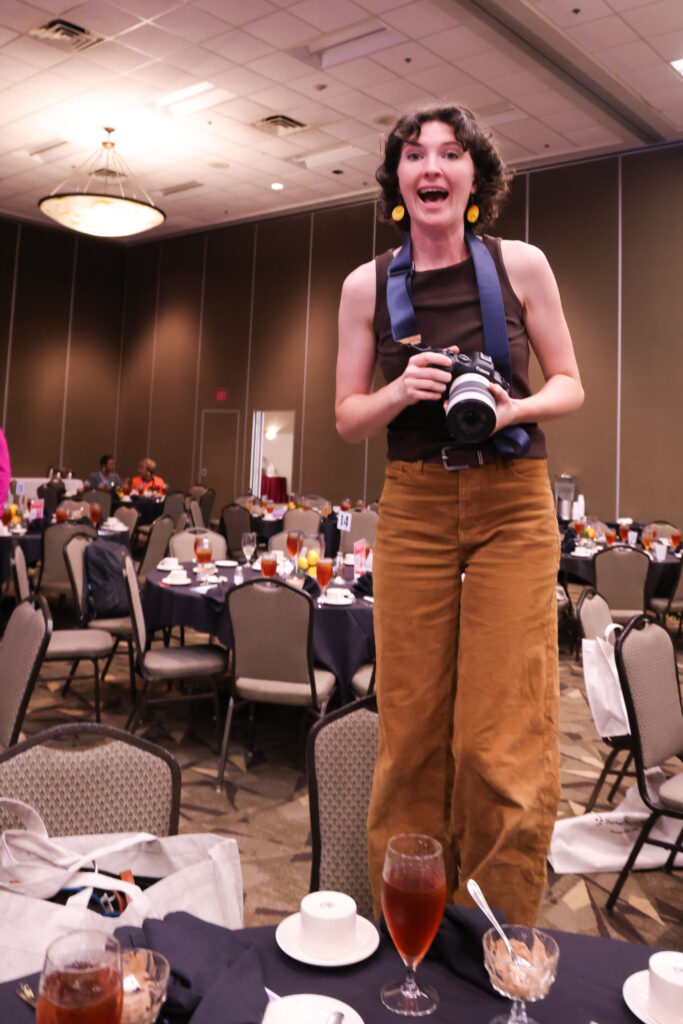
{"x": 491, "y": 177}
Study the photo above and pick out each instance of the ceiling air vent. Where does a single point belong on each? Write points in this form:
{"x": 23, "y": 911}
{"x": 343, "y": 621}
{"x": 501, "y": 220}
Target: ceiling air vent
{"x": 185, "y": 186}
{"x": 65, "y": 35}
{"x": 280, "y": 125}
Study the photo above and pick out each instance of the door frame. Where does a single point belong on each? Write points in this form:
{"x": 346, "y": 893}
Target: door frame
{"x": 220, "y": 412}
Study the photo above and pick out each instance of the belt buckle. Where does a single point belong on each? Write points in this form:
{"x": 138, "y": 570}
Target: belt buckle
{"x": 468, "y": 464}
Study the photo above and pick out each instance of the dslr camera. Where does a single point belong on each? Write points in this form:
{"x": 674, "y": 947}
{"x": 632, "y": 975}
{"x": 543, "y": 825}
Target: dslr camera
{"x": 470, "y": 406}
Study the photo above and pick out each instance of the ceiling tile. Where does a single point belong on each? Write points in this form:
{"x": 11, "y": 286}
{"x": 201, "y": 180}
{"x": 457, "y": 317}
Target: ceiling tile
{"x": 192, "y": 24}
{"x": 477, "y": 96}
{"x": 165, "y": 78}
{"x": 238, "y": 46}
{"x": 419, "y": 19}
{"x": 455, "y": 43}
{"x": 152, "y": 40}
{"x": 115, "y": 56}
{"x": 562, "y": 12}
{"x": 546, "y": 102}
{"x": 147, "y": 8}
{"x": 22, "y": 17}
{"x": 379, "y": 6}
{"x": 6, "y": 34}
{"x": 407, "y": 58}
{"x": 281, "y": 67}
{"x": 310, "y": 85}
{"x": 660, "y": 76}
{"x": 399, "y": 92}
{"x": 14, "y": 70}
{"x": 597, "y": 135}
{"x": 516, "y": 86}
{"x": 33, "y": 52}
{"x": 443, "y": 80}
{"x": 281, "y": 29}
{"x": 603, "y": 32}
{"x": 656, "y": 18}
{"x": 361, "y": 72}
{"x": 357, "y": 104}
{"x": 629, "y": 57}
{"x": 671, "y": 97}
{"x": 567, "y": 120}
{"x": 237, "y": 12}
{"x": 326, "y": 16}
{"x": 101, "y": 18}
{"x": 199, "y": 61}
{"x": 669, "y": 46}
{"x": 83, "y": 71}
{"x": 241, "y": 81}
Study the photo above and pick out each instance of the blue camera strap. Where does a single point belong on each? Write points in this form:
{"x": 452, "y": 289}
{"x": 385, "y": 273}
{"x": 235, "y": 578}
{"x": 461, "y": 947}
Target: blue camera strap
{"x": 512, "y": 440}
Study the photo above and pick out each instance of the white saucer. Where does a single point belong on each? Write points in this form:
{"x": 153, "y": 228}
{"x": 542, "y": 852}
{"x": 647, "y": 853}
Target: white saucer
{"x": 226, "y": 563}
{"x": 338, "y": 596}
{"x": 176, "y": 583}
{"x": 636, "y": 992}
{"x": 367, "y": 941}
{"x": 303, "y": 1004}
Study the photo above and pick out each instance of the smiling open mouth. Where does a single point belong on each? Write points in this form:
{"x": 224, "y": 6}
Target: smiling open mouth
{"x": 432, "y": 195}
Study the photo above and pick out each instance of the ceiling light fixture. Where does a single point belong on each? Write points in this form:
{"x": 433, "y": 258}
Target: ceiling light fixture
{"x": 677, "y": 65}
{"x": 113, "y": 213}
{"x": 349, "y": 43}
{"x": 277, "y": 186}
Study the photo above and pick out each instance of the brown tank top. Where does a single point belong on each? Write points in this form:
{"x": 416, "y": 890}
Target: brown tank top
{"x": 447, "y": 311}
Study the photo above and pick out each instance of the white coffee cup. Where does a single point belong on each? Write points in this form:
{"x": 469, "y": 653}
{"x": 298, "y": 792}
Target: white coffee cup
{"x": 666, "y": 987}
{"x": 300, "y": 1009}
{"x": 177, "y": 576}
{"x": 169, "y": 562}
{"x": 327, "y": 926}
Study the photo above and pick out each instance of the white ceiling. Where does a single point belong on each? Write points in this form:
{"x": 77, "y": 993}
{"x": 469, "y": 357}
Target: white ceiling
{"x": 555, "y": 80}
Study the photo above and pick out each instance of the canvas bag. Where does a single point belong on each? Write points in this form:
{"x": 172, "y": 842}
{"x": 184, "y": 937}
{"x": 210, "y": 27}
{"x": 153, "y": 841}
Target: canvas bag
{"x": 199, "y": 873}
{"x": 106, "y": 589}
{"x": 602, "y": 841}
{"x": 603, "y": 688}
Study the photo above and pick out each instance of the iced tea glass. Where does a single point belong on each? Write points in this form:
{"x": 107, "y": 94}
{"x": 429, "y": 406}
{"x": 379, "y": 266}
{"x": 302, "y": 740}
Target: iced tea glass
{"x": 610, "y": 535}
{"x": 676, "y": 539}
{"x": 323, "y": 572}
{"x": 95, "y": 513}
{"x": 81, "y": 980}
{"x": 647, "y": 536}
{"x": 413, "y": 899}
{"x": 60, "y": 514}
{"x": 268, "y": 564}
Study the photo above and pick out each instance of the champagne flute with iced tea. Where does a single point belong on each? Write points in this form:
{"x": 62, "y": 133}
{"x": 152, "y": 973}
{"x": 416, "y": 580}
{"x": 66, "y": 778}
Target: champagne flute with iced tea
{"x": 413, "y": 900}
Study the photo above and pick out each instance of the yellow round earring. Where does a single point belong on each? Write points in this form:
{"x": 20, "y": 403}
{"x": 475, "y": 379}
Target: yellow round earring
{"x": 398, "y": 212}
{"x": 472, "y": 213}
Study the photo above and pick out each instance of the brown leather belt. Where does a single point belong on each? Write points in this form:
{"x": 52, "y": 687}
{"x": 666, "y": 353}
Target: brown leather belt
{"x": 453, "y": 459}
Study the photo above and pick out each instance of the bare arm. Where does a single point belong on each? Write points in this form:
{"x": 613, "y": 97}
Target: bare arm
{"x": 361, "y": 412}
{"x": 534, "y": 283}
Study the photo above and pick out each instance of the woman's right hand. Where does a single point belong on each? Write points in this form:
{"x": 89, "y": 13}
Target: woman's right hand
{"x": 423, "y": 380}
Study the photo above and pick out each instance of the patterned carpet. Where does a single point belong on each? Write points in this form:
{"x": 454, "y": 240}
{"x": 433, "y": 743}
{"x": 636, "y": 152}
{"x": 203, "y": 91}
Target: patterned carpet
{"x": 264, "y": 803}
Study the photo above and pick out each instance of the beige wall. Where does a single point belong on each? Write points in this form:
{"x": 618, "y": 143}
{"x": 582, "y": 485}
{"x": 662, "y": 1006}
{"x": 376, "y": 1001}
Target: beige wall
{"x": 251, "y": 309}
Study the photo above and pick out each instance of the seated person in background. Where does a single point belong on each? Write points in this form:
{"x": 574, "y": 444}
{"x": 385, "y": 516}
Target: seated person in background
{"x": 106, "y": 477}
{"x": 146, "y": 480}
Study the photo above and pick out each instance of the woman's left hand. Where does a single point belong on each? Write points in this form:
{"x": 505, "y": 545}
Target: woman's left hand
{"x": 505, "y": 407}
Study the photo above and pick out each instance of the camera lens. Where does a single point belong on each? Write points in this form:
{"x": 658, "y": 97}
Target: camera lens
{"x": 471, "y": 409}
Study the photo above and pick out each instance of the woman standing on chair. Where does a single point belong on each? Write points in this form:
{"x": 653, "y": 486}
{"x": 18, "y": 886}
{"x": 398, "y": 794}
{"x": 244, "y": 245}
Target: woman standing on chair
{"x": 466, "y": 556}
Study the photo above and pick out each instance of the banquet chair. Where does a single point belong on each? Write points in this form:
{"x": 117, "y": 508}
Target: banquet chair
{"x": 181, "y": 545}
{"x": 22, "y": 650}
{"x": 196, "y": 491}
{"x": 75, "y": 509}
{"x": 51, "y": 493}
{"x": 663, "y": 529}
{"x": 673, "y": 605}
{"x": 88, "y": 779}
{"x": 243, "y": 499}
{"x": 157, "y": 545}
{"x": 164, "y": 665}
{"x": 620, "y": 574}
{"x": 305, "y": 519}
{"x": 53, "y": 580}
{"x": 272, "y": 631}
{"x": 316, "y": 502}
{"x": 236, "y": 521}
{"x": 119, "y": 626}
{"x": 363, "y": 527}
{"x": 340, "y": 760}
{"x": 206, "y": 501}
{"x": 646, "y": 661}
{"x": 99, "y": 497}
{"x": 594, "y": 621}
{"x": 363, "y": 681}
{"x": 174, "y": 506}
{"x": 129, "y": 516}
{"x": 196, "y": 516}
{"x": 71, "y": 645}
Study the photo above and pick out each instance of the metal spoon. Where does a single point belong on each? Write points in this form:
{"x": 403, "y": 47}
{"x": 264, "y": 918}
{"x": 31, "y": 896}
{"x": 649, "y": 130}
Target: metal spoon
{"x": 25, "y": 992}
{"x": 336, "y": 1017}
{"x": 479, "y": 898}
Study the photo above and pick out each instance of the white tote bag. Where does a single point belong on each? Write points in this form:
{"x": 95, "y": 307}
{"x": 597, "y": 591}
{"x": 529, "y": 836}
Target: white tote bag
{"x": 603, "y": 689}
{"x": 198, "y": 873}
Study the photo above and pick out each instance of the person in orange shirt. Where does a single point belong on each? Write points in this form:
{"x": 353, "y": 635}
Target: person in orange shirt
{"x": 146, "y": 479}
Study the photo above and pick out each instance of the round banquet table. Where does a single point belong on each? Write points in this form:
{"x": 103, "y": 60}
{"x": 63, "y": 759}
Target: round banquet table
{"x": 661, "y": 580}
{"x": 149, "y": 509}
{"x": 588, "y": 988}
{"x": 32, "y": 544}
{"x": 343, "y": 637}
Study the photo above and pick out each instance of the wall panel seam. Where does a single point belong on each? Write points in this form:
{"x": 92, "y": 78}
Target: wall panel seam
{"x": 117, "y": 419}
{"x": 10, "y": 326}
{"x": 305, "y": 366}
{"x": 72, "y": 299}
{"x": 249, "y": 341}
{"x": 200, "y": 335}
{"x": 154, "y": 353}
{"x": 617, "y": 495}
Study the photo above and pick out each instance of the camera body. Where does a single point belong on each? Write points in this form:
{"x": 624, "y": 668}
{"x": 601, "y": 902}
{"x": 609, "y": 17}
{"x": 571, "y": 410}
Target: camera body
{"x": 470, "y": 406}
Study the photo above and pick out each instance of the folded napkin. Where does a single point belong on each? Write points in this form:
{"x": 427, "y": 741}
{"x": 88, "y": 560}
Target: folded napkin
{"x": 35, "y": 526}
{"x": 457, "y": 944}
{"x": 214, "y": 975}
{"x": 568, "y": 541}
{"x": 363, "y": 585}
{"x": 311, "y": 586}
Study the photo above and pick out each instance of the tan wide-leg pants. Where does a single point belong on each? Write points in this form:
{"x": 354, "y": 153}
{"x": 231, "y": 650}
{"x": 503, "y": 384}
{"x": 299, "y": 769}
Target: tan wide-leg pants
{"x": 467, "y": 678}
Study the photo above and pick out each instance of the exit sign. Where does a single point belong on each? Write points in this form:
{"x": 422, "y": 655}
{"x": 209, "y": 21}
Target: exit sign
{"x": 221, "y": 394}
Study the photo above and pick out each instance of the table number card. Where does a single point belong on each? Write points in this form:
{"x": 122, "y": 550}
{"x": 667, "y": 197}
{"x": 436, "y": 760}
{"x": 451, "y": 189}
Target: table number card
{"x": 359, "y": 558}
{"x": 343, "y": 520}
